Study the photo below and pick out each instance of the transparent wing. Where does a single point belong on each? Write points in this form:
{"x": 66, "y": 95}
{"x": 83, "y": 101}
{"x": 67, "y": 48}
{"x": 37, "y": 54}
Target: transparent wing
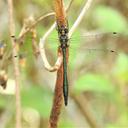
{"x": 83, "y": 48}
{"x": 78, "y": 36}
{"x": 89, "y": 47}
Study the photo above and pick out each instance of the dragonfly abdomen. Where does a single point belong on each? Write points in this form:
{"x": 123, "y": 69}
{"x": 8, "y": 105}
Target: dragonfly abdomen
{"x": 65, "y": 79}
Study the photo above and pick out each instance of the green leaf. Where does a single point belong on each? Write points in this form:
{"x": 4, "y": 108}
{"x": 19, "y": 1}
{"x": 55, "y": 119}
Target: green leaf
{"x": 37, "y": 98}
{"x": 78, "y": 2}
{"x": 122, "y": 122}
{"x": 111, "y": 126}
{"x": 109, "y": 19}
{"x": 93, "y": 82}
{"x": 121, "y": 67}
{"x": 3, "y": 102}
{"x": 65, "y": 124}
{"x": 42, "y": 3}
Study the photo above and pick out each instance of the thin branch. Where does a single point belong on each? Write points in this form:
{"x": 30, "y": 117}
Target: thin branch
{"x": 15, "y": 62}
{"x": 26, "y": 30}
{"x": 69, "y": 5}
{"x": 34, "y": 37}
{"x": 11, "y": 22}
{"x": 6, "y": 115}
{"x": 80, "y": 17}
{"x": 43, "y": 55}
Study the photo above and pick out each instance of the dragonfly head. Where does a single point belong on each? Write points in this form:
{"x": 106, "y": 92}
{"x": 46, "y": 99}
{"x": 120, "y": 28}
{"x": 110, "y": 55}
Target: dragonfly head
{"x": 62, "y": 29}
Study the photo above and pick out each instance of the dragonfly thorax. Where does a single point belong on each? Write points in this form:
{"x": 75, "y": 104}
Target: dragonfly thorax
{"x": 63, "y": 36}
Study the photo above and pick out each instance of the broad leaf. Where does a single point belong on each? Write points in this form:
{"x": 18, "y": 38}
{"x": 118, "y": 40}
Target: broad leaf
{"x": 93, "y": 82}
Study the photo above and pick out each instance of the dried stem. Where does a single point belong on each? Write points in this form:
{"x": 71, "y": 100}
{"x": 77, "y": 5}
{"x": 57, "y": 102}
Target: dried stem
{"x": 43, "y": 55}
{"x": 58, "y": 98}
{"x": 34, "y": 37}
{"x": 26, "y": 30}
{"x": 80, "y": 17}
{"x": 69, "y": 5}
{"x": 60, "y": 12}
{"x": 15, "y": 62}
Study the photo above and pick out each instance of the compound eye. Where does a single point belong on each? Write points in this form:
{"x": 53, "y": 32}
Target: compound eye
{"x": 66, "y": 30}
{"x": 59, "y": 31}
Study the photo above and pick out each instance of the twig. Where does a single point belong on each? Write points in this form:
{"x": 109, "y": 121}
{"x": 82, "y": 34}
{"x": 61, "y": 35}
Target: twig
{"x": 15, "y": 62}
{"x": 80, "y": 17}
{"x": 34, "y": 37}
{"x": 6, "y": 115}
{"x": 26, "y": 30}
{"x": 43, "y": 55}
{"x": 69, "y": 5}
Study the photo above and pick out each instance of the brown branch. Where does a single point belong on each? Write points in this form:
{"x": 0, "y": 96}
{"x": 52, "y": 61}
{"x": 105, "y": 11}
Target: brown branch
{"x": 60, "y": 12}
{"x": 34, "y": 42}
{"x": 58, "y": 98}
{"x": 34, "y": 37}
{"x": 15, "y": 62}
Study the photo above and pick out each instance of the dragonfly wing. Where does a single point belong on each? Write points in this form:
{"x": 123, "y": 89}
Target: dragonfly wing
{"x": 86, "y": 45}
{"x": 92, "y": 51}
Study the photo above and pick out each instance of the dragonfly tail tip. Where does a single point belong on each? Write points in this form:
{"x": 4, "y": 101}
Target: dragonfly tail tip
{"x": 66, "y": 101}
{"x": 114, "y": 32}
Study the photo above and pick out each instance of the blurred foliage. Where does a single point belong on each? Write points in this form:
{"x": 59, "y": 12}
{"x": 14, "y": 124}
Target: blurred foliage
{"x": 34, "y": 98}
{"x": 102, "y": 78}
{"x": 94, "y": 82}
{"x": 110, "y": 19}
{"x": 121, "y": 68}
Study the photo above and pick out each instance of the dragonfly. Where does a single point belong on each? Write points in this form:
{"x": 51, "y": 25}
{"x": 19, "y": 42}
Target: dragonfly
{"x": 63, "y": 39}
{"x": 65, "y": 42}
